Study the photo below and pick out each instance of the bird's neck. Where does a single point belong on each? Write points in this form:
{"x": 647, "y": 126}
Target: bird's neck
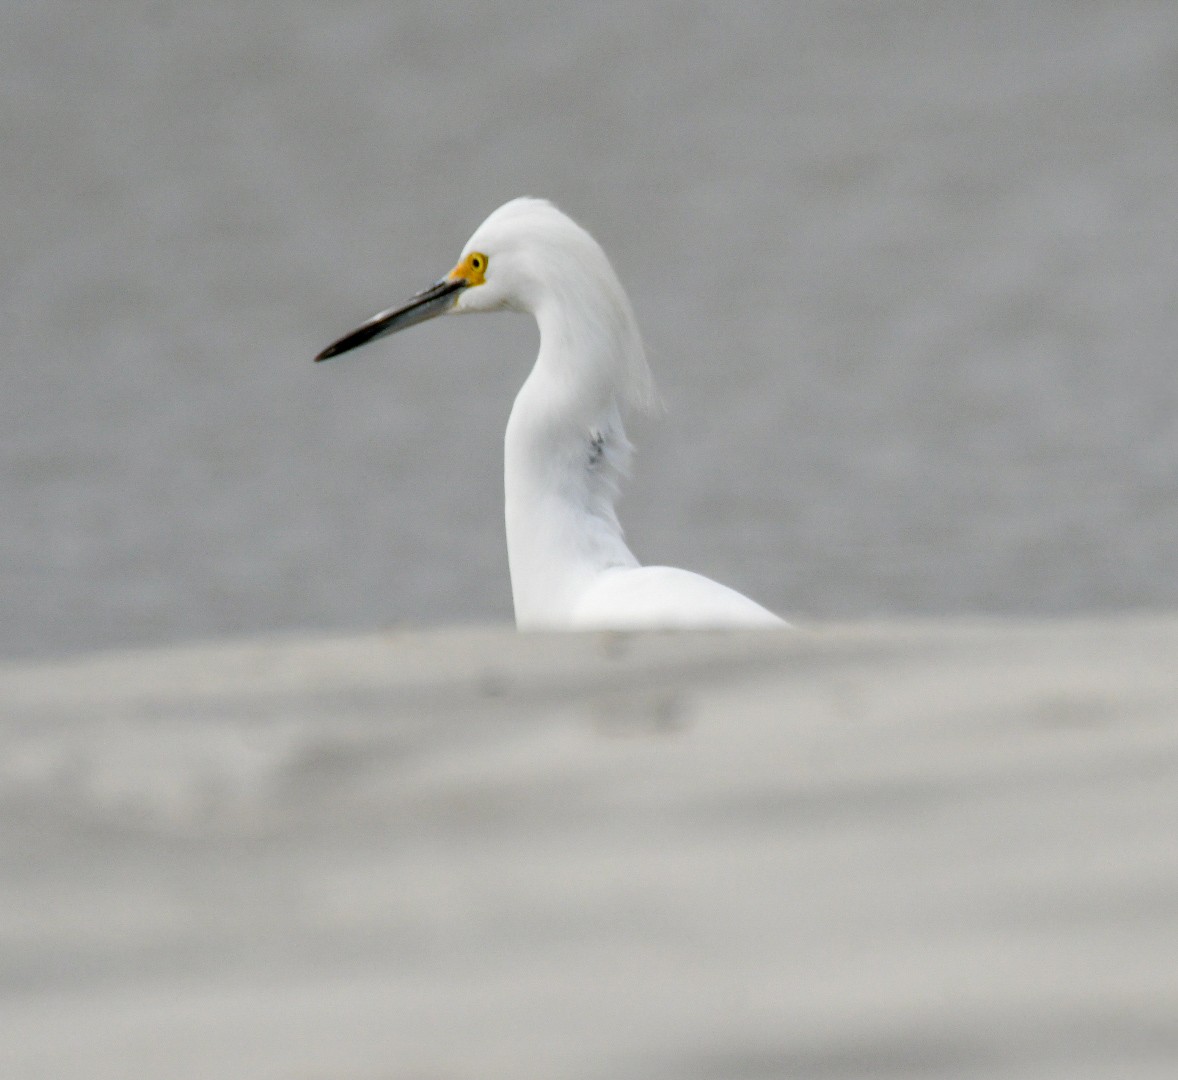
{"x": 565, "y": 453}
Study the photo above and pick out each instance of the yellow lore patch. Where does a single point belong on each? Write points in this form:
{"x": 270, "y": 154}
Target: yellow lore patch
{"x": 472, "y": 269}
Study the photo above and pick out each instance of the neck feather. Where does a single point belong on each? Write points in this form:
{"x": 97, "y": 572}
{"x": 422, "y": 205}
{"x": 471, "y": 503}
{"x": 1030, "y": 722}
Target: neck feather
{"x": 566, "y": 450}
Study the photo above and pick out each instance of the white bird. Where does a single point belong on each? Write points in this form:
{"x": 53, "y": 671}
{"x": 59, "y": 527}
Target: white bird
{"x": 565, "y": 448}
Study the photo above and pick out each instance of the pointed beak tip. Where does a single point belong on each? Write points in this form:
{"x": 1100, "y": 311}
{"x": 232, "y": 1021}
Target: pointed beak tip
{"x": 328, "y": 353}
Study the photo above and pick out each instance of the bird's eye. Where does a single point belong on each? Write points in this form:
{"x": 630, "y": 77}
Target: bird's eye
{"x": 473, "y": 268}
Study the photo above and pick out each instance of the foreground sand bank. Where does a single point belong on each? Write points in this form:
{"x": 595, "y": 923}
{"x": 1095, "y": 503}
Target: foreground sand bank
{"x": 872, "y": 851}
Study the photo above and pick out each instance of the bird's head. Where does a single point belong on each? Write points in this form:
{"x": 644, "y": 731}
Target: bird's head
{"x": 519, "y": 254}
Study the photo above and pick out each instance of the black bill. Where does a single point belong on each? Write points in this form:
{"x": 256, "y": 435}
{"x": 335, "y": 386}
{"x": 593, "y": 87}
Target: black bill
{"x": 436, "y": 300}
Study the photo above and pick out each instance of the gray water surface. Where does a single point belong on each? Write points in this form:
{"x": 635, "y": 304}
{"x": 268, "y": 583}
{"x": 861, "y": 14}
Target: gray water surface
{"x": 907, "y": 274}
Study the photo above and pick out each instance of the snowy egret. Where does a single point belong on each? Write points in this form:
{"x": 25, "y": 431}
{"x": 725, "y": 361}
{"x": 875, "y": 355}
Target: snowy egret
{"x": 565, "y": 449}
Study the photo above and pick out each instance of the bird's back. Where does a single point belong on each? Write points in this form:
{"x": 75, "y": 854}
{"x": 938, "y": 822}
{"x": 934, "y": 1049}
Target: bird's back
{"x": 663, "y": 597}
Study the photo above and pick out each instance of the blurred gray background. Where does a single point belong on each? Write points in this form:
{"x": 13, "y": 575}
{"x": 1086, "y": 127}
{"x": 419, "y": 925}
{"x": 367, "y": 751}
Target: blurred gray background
{"x": 906, "y": 273}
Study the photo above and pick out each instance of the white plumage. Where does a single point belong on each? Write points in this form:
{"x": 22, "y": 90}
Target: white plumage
{"x": 565, "y": 449}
